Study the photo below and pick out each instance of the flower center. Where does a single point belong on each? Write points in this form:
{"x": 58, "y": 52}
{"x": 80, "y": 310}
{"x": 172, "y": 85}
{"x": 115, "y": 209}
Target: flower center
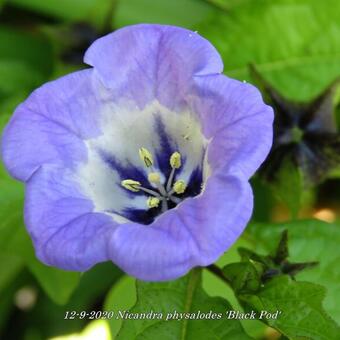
{"x": 162, "y": 150}
{"x": 160, "y": 194}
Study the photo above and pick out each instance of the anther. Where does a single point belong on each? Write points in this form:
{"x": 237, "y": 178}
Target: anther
{"x": 179, "y": 187}
{"x": 153, "y": 202}
{"x": 135, "y": 186}
{"x": 146, "y": 157}
{"x": 154, "y": 177}
{"x": 175, "y": 160}
{"x": 131, "y": 185}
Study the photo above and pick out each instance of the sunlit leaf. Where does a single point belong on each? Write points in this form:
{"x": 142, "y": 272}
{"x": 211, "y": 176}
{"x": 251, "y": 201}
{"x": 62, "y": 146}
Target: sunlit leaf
{"x": 10, "y": 266}
{"x": 176, "y": 12}
{"x": 32, "y": 49}
{"x": 289, "y": 186}
{"x": 94, "y": 11}
{"x": 227, "y": 5}
{"x": 121, "y": 297}
{"x": 295, "y": 44}
{"x": 58, "y": 284}
{"x": 310, "y": 240}
{"x": 298, "y": 306}
{"x": 214, "y": 286}
{"x": 17, "y": 75}
{"x": 184, "y": 296}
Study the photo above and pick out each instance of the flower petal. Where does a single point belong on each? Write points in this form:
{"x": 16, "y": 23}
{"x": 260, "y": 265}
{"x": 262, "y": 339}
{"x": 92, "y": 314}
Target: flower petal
{"x": 153, "y": 62}
{"x": 65, "y": 231}
{"x": 234, "y": 115}
{"x": 50, "y": 125}
{"x": 195, "y": 233}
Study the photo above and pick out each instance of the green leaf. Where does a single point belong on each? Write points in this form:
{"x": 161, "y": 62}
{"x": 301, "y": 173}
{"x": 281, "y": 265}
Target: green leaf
{"x": 298, "y": 306}
{"x": 11, "y": 191}
{"x": 121, "y": 297}
{"x": 32, "y": 49}
{"x": 227, "y": 5}
{"x": 214, "y": 286}
{"x": 10, "y": 266}
{"x": 57, "y": 283}
{"x": 288, "y": 187}
{"x": 176, "y": 12}
{"x": 93, "y": 11}
{"x": 295, "y": 44}
{"x": 264, "y": 200}
{"x": 309, "y": 240}
{"x": 16, "y": 75}
{"x": 244, "y": 276}
{"x": 282, "y": 251}
{"x": 7, "y": 106}
{"x": 183, "y": 296}
{"x": 7, "y": 296}
{"x": 26, "y": 61}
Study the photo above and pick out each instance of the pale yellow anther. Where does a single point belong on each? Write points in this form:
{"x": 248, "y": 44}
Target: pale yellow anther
{"x": 153, "y": 202}
{"x": 175, "y": 160}
{"x": 154, "y": 177}
{"x": 179, "y": 187}
{"x": 146, "y": 157}
{"x": 131, "y": 185}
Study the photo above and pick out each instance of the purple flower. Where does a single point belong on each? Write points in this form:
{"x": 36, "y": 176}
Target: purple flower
{"x": 143, "y": 159}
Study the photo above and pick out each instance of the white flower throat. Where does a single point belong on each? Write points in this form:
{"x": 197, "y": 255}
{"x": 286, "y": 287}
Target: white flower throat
{"x": 143, "y": 162}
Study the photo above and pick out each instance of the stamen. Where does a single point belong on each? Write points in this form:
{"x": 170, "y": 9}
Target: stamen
{"x": 164, "y": 205}
{"x": 170, "y": 179}
{"x": 161, "y": 189}
{"x": 153, "y": 202}
{"x": 131, "y": 185}
{"x": 154, "y": 177}
{"x": 176, "y": 200}
{"x": 179, "y": 187}
{"x": 151, "y": 192}
{"x": 135, "y": 186}
{"x": 146, "y": 157}
{"x": 175, "y": 160}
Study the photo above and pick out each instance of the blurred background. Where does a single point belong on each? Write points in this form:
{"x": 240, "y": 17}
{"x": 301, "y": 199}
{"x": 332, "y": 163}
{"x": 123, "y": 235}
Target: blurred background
{"x": 294, "y": 48}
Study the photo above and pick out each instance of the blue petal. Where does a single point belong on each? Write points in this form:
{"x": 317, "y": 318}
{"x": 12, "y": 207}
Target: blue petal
{"x": 153, "y": 62}
{"x": 196, "y": 233}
